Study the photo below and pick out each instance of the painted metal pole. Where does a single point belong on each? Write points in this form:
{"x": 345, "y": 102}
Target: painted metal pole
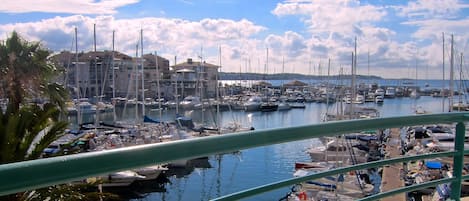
{"x": 458, "y": 160}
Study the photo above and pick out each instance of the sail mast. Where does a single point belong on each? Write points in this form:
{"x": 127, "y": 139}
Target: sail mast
{"x": 113, "y": 79}
{"x": 77, "y": 82}
{"x": 95, "y": 75}
{"x": 143, "y": 81}
{"x": 451, "y": 76}
{"x": 136, "y": 82}
{"x": 158, "y": 90}
{"x": 217, "y": 92}
{"x": 443, "y": 87}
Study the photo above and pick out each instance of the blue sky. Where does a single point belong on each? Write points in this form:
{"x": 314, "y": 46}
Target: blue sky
{"x": 396, "y": 34}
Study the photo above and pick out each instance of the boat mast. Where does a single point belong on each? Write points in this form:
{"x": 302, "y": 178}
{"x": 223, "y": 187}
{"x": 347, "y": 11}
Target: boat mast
{"x": 217, "y": 93}
{"x": 310, "y": 76}
{"x": 283, "y": 72}
{"x": 143, "y": 81}
{"x": 176, "y": 87}
{"x": 451, "y": 76}
{"x": 136, "y": 83}
{"x": 354, "y": 66}
{"x": 327, "y": 83}
{"x": 113, "y": 80}
{"x": 95, "y": 75}
{"x": 443, "y": 87}
{"x": 77, "y": 77}
{"x": 201, "y": 83}
{"x": 460, "y": 85}
{"x": 158, "y": 90}
{"x": 368, "y": 62}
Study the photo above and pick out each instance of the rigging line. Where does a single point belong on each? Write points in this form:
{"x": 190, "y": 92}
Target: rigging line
{"x": 354, "y": 162}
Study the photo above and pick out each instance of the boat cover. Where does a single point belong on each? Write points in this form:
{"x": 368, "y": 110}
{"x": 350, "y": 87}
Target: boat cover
{"x": 433, "y": 164}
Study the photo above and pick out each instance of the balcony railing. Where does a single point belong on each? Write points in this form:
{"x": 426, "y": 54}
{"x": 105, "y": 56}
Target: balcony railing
{"x": 28, "y": 175}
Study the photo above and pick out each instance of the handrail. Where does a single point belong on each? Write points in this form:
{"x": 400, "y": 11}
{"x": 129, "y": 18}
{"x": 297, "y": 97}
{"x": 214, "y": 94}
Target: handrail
{"x": 336, "y": 171}
{"x": 68, "y": 168}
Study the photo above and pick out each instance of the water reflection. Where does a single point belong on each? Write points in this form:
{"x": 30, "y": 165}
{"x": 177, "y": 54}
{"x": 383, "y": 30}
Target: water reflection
{"x": 220, "y": 175}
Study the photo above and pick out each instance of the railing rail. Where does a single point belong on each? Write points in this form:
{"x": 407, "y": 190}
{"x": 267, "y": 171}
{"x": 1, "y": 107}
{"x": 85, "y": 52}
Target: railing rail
{"x": 28, "y": 175}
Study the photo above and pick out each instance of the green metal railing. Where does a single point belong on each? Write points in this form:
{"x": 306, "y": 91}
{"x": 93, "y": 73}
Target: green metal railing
{"x": 28, "y": 175}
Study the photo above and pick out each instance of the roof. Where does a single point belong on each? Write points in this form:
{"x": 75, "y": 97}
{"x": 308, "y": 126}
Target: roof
{"x": 190, "y": 63}
{"x": 86, "y": 56}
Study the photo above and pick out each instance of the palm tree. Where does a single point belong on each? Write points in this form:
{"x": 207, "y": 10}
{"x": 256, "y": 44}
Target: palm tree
{"x": 26, "y": 127}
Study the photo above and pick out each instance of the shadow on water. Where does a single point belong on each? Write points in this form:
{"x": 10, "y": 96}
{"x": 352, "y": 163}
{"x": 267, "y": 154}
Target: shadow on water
{"x": 141, "y": 189}
{"x": 191, "y": 165}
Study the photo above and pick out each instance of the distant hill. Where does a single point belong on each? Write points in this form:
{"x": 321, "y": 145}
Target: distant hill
{"x": 283, "y": 76}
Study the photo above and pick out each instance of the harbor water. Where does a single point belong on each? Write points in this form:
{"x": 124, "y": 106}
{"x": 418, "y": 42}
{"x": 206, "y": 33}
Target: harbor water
{"x": 219, "y": 175}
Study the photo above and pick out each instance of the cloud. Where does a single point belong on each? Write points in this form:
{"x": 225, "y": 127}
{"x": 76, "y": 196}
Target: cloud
{"x": 291, "y": 44}
{"x": 326, "y": 17}
{"x": 170, "y": 37}
{"x": 395, "y": 37}
{"x": 95, "y": 7}
{"x": 186, "y": 2}
{"x": 431, "y": 9}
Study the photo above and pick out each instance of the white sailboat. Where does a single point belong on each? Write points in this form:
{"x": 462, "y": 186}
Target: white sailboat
{"x": 283, "y": 105}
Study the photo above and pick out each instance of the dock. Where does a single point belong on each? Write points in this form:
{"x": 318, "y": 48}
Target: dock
{"x": 390, "y": 172}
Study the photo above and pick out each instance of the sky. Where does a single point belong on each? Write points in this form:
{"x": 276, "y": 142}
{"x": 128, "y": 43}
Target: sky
{"x": 394, "y": 39}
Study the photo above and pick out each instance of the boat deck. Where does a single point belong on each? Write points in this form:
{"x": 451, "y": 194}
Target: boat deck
{"x": 389, "y": 181}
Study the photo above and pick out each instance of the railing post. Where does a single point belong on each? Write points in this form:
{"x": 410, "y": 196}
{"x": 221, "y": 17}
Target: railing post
{"x": 458, "y": 160}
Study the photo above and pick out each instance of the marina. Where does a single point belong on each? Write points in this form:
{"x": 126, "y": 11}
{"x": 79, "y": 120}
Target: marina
{"x": 221, "y": 174}
{"x": 285, "y": 100}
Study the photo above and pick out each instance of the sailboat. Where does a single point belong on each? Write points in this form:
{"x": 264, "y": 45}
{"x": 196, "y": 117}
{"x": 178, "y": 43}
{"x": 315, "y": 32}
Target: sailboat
{"x": 268, "y": 106}
{"x": 331, "y": 146}
{"x": 460, "y": 105}
{"x": 283, "y": 105}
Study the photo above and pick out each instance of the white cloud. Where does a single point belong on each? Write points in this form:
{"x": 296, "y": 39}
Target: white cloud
{"x": 431, "y": 8}
{"x": 329, "y": 31}
{"x": 332, "y": 26}
{"x": 326, "y": 17}
{"x": 170, "y": 37}
{"x": 98, "y": 7}
{"x": 291, "y": 44}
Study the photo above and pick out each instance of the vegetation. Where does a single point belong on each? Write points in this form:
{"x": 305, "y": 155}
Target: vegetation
{"x": 28, "y": 126}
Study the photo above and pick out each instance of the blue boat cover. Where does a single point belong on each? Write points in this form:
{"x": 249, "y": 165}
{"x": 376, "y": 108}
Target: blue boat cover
{"x": 433, "y": 164}
{"x": 149, "y": 120}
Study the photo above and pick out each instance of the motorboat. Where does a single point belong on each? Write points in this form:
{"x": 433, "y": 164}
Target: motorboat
{"x": 190, "y": 102}
{"x": 379, "y": 99}
{"x": 359, "y": 99}
{"x": 122, "y": 178}
{"x": 283, "y": 106}
{"x": 150, "y": 172}
{"x": 253, "y": 103}
{"x": 390, "y": 92}
{"x": 268, "y": 107}
{"x": 379, "y": 92}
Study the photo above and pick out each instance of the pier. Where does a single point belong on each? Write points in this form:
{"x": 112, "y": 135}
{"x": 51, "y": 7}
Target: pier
{"x": 390, "y": 172}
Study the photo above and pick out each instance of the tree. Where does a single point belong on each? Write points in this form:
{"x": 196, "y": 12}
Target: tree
{"x": 26, "y": 126}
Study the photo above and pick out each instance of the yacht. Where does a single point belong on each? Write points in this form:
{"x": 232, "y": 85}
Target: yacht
{"x": 253, "y": 103}
{"x": 190, "y": 102}
{"x": 390, "y": 92}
